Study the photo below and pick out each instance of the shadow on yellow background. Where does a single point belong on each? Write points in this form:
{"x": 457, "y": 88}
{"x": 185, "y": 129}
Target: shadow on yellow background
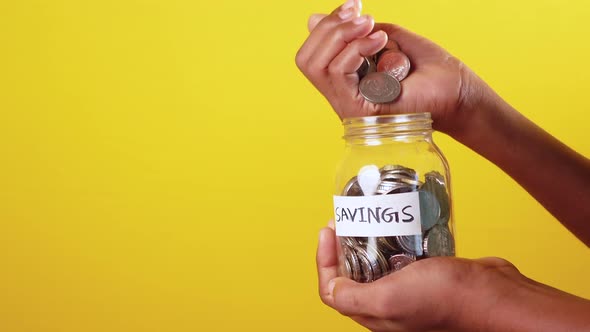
{"x": 165, "y": 167}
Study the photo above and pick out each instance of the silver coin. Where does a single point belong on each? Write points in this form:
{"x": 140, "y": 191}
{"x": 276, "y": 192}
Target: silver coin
{"x": 398, "y": 262}
{"x": 380, "y": 88}
{"x": 439, "y": 242}
{"x": 345, "y": 268}
{"x": 391, "y": 168}
{"x": 429, "y": 209}
{"x": 397, "y": 176}
{"x": 386, "y": 187}
{"x": 367, "y": 274}
{"x": 378, "y": 262}
{"x": 353, "y": 262}
{"x": 348, "y": 241}
{"x": 435, "y": 183}
{"x": 394, "y": 172}
{"x": 388, "y": 245}
{"x": 368, "y": 66}
{"x": 410, "y": 244}
{"x": 411, "y": 181}
{"x": 352, "y": 188}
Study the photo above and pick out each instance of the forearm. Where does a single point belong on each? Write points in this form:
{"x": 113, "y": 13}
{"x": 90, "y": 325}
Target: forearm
{"x": 500, "y": 301}
{"x": 557, "y": 176}
{"x": 539, "y": 308}
{"x": 534, "y": 307}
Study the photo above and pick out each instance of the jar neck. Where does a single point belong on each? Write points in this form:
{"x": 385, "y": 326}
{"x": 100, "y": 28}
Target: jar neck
{"x": 379, "y": 129}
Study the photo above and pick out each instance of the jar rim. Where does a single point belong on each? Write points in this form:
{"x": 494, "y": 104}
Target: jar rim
{"x": 392, "y": 125}
{"x": 388, "y": 119}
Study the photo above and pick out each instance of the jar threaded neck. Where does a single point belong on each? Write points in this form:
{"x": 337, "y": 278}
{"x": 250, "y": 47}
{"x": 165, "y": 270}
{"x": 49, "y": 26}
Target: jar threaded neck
{"x": 387, "y": 125}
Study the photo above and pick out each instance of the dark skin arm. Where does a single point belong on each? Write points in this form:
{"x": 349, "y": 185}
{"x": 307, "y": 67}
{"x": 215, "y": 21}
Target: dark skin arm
{"x": 462, "y": 106}
{"x": 448, "y": 294}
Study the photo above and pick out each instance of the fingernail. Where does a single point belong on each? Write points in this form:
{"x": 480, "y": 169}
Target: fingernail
{"x": 360, "y": 20}
{"x": 331, "y": 223}
{"x": 347, "y": 4}
{"x": 346, "y": 14}
{"x": 331, "y": 286}
{"x": 376, "y": 35}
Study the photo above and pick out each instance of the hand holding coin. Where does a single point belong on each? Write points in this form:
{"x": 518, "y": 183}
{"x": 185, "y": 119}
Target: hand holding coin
{"x": 429, "y": 78}
{"x": 381, "y": 83}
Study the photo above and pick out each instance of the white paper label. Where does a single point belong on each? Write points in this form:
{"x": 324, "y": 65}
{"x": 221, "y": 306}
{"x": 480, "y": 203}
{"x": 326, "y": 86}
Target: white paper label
{"x": 379, "y": 215}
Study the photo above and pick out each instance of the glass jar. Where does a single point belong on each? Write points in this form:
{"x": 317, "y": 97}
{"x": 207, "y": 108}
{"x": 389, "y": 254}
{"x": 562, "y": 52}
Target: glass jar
{"x": 392, "y": 204}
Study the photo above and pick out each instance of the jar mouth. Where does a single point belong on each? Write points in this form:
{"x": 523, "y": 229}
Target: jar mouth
{"x": 387, "y": 125}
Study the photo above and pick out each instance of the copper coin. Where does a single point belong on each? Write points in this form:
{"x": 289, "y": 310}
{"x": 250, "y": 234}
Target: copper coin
{"x": 395, "y": 63}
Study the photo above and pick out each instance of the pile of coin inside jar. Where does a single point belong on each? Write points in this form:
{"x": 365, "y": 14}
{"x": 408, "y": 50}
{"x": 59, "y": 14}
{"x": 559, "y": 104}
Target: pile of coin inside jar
{"x": 366, "y": 259}
{"x": 380, "y": 75}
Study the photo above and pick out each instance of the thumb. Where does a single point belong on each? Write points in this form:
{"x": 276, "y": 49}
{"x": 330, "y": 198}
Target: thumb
{"x": 351, "y": 298}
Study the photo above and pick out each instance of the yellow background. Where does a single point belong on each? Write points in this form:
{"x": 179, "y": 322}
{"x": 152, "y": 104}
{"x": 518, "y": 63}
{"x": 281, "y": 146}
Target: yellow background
{"x": 165, "y": 167}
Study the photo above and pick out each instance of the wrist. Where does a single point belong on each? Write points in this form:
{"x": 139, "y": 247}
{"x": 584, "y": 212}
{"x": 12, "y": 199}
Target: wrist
{"x": 483, "y": 296}
{"x": 480, "y": 115}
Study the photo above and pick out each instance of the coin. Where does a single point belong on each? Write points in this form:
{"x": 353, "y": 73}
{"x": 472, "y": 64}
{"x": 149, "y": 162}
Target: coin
{"x": 386, "y": 187}
{"x": 391, "y": 168}
{"x": 435, "y": 183}
{"x": 349, "y": 241}
{"x": 379, "y": 263}
{"x": 439, "y": 242}
{"x": 395, "y": 172}
{"x": 366, "y": 259}
{"x": 368, "y": 66}
{"x": 411, "y": 182}
{"x": 387, "y": 244}
{"x": 411, "y": 244}
{"x": 380, "y": 88}
{"x": 429, "y": 209}
{"x": 395, "y": 63}
{"x": 398, "y": 262}
{"x": 353, "y": 262}
{"x": 352, "y": 188}
{"x": 367, "y": 274}
{"x": 397, "y": 176}
{"x": 345, "y": 268}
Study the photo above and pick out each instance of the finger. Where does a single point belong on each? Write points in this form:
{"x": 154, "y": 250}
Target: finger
{"x": 327, "y": 262}
{"x": 313, "y": 21}
{"x": 412, "y": 44}
{"x": 331, "y": 224}
{"x": 341, "y": 14}
{"x": 336, "y": 42}
{"x": 351, "y": 58}
{"x": 357, "y": 5}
